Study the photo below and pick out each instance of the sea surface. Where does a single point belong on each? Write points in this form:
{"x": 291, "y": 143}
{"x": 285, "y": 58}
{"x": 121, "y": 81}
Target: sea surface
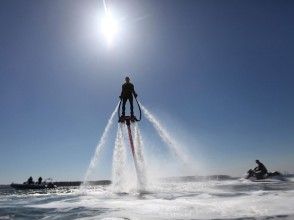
{"x": 182, "y": 198}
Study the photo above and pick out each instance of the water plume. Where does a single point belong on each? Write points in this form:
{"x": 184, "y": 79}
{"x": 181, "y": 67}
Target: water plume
{"x": 119, "y": 162}
{"x": 165, "y": 136}
{"x": 99, "y": 147}
{"x": 139, "y": 147}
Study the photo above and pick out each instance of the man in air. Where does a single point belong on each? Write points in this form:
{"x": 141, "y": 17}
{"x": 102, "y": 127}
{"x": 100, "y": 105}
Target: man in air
{"x": 127, "y": 93}
{"x": 260, "y": 170}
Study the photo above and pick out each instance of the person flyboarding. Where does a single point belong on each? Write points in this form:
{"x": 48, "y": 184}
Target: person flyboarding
{"x": 127, "y": 93}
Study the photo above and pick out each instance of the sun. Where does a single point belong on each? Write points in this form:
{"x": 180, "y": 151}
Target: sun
{"x": 109, "y": 27}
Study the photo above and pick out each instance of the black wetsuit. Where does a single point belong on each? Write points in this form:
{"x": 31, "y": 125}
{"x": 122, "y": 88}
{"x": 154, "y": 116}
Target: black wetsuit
{"x": 260, "y": 171}
{"x": 127, "y": 94}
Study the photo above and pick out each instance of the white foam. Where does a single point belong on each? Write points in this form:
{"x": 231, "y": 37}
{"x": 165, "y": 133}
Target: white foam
{"x": 188, "y": 200}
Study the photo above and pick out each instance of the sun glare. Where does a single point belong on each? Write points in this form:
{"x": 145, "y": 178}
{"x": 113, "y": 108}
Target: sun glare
{"x": 109, "y": 28}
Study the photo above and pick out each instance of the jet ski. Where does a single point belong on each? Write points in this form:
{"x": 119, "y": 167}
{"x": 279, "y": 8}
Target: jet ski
{"x": 268, "y": 177}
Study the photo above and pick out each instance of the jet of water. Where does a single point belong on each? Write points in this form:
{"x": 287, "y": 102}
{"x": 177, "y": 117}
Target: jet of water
{"x": 119, "y": 162}
{"x": 164, "y": 135}
{"x": 99, "y": 146}
{"x": 142, "y": 180}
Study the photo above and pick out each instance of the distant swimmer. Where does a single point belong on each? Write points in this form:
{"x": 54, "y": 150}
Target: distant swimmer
{"x": 127, "y": 94}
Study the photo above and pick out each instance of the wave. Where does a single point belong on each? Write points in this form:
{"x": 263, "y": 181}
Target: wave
{"x": 220, "y": 177}
{"x": 223, "y": 198}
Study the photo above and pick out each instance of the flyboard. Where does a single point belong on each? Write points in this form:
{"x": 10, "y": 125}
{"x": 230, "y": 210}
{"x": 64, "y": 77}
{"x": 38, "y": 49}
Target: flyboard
{"x": 128, "y": 120}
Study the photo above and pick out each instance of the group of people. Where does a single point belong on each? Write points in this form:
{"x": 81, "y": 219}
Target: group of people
{"x": 30, "y": 181}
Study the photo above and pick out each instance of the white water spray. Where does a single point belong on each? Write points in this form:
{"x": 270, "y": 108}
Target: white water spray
{"x": 171, "y": 143}
{"x": 119, "y": 162}
{"x": 139, "y": 147}
{"x": 99, "y": 147}
{"x": 122, "y": 181}
{"x": 120, "y": 170}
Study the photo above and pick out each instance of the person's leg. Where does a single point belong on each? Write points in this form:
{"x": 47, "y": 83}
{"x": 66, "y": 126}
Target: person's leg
{"x": 124, "y": 106}
{"x": 131, "y": 105}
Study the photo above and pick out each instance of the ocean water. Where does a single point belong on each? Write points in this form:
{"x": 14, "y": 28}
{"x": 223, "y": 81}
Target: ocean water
{"x": 182, "y": 198}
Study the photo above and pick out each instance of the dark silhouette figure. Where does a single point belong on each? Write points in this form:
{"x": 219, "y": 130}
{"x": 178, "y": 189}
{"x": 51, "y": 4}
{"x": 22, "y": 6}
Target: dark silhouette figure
{"x": 127, "y": 94}
{"x": 40, "y": 180}
{"x": 260, "y": 170}
{"x": 30, "y": 180}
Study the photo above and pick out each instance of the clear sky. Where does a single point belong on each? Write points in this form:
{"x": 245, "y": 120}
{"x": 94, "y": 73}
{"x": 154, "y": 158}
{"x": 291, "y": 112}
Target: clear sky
{"x": 219, "y": 71}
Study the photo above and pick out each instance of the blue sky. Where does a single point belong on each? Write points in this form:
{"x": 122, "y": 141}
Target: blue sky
{"x": 222, "y": 71}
